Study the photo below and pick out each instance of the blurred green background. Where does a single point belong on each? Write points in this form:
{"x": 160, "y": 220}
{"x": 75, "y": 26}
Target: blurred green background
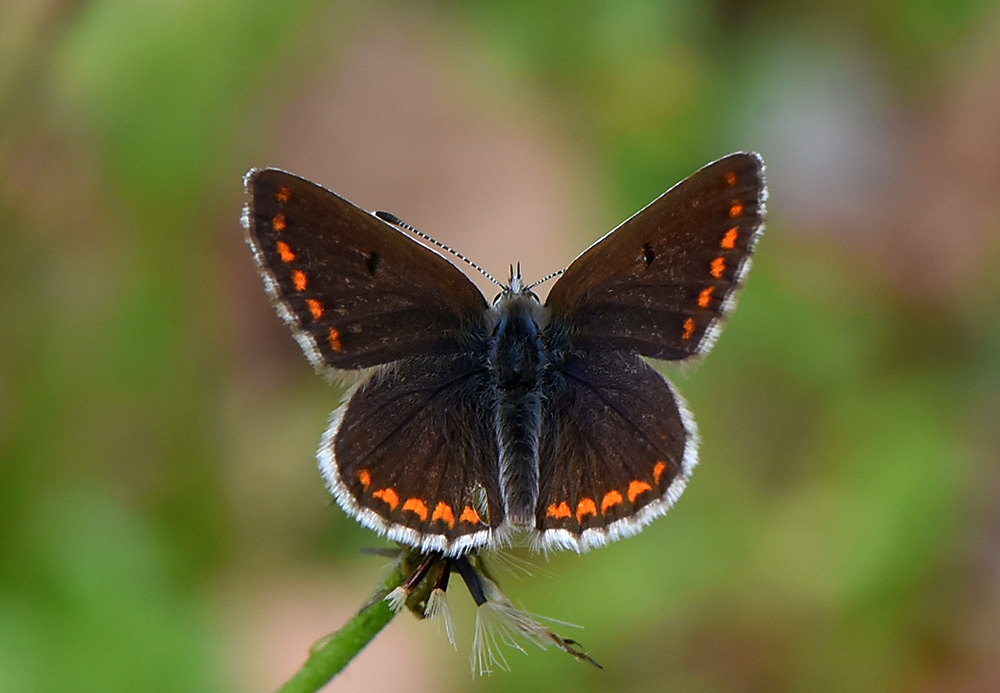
{"x": 163, "y": 526}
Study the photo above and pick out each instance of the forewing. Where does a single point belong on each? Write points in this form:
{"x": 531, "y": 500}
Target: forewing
{"x": 412, "y": 454}
{"x": 661, "y": 283}
{"x": 355, "y": 291}
{"x": 617, "y": 448}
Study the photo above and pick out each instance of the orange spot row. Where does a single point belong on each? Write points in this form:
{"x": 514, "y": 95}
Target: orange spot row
{"x": 587, "y": 506}
{"x": 731, "y": 178}
{"x": 417, "y": 506}
{"x": 688, "y": 328}
{"x": 316, "y": 310}
{"x": 445, "y": 513}
{"x": 299, "y": 280}
{"x": 333, "y": 338}
{"x": 283, "y": 194}
{"x": 285, "y": 252}
{"x": 736, "y": 209}
{"x": 278, "y": 223}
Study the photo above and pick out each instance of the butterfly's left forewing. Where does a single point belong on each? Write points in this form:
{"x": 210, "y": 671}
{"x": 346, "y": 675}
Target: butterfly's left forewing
{"x": 355, "y": 291}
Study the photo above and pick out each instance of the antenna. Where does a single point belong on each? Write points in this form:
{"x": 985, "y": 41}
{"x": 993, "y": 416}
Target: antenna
{"x": 545, "y": 279}
{"x": 396, "y": 221}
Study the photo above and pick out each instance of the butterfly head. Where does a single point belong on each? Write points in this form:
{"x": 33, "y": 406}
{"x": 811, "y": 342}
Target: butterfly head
{"x": 515, "y": 287}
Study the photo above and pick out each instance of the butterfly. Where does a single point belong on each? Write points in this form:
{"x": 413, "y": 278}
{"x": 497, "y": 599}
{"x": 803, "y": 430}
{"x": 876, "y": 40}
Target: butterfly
{"x": 475, "y": 421}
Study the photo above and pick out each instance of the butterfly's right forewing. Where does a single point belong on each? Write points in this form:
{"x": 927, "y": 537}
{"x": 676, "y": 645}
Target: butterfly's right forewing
{"x": 662, "y": 282}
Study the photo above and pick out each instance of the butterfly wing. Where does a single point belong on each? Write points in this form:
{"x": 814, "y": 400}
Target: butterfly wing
{"x": 662, "y": 282}
{"x": 355, "y": 291}
{"x": 412, "y": 454}
{"x": 617, "y": 448}
{"x": 618, "y": 443}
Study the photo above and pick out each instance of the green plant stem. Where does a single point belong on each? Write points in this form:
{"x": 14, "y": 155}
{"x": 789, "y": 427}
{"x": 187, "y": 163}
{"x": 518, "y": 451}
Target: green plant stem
{"x": 329, "y": 656}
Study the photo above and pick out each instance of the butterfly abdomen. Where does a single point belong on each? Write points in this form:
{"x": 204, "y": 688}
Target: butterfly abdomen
{"x": 515, "y": 364}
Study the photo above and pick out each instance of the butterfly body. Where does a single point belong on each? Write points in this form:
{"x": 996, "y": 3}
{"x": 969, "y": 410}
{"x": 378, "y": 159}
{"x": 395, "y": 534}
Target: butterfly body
{"x": 518, "y": 360}
{"x": 483, "y": 420}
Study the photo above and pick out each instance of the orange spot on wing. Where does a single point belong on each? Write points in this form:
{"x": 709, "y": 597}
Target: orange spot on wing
{"x": 558, "y": 511}
{"x": 285, "y": 252}
{"x": 443, "y": 511}
{"x": 736, "y": 209}
{"x": 299, "y": 280}
{"x": 316, "y": 310}
{"x": 585, "y": 507}
{"x": 469, "y": 515}
{"x": 283, "y": 194}
{"x": 417, "y": 506}
{"x": 730, "y": 178}
{"x": 637, "y": 488}
{"x": 729, "y": 240}
{"x": 705, "y": 296}
{"x": 611, "y": 498}
{"x": 387, "y": 495}
{"x": 718, "y": 267}
{"x": 334, "y": 339}
{"x": 658, "y": 470}
{"x": 688, "y": 329}
{"x": 278, "y": 222}
{"x": 365, "y": 477}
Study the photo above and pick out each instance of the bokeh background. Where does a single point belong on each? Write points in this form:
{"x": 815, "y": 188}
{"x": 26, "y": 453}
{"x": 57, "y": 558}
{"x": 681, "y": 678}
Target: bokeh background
{"x": 163, "y": 526}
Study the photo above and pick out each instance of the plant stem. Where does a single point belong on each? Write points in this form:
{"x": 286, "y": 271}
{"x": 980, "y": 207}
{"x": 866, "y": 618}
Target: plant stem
{"x": 329, "y": 656}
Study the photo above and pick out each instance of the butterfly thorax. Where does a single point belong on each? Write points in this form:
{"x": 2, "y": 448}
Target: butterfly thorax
{"x": 515, "y": 347}
{"x": 516, "y": 359}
